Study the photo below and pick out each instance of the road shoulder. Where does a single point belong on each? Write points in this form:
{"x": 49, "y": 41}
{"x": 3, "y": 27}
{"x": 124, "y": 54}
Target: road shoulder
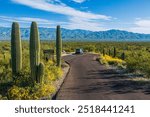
{"x": 58, "y": 83}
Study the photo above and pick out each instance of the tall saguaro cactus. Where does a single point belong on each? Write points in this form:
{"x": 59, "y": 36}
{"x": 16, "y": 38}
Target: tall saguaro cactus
{"x": 109, "y": 52}
{"x": 104, "y": 52}
{"x": 123, "y": 56}
{"x": 115, "y": 53}
{"x": 34, "y": 51}
{"x": 58, "y": 46}
{"x": 16, "y": 49}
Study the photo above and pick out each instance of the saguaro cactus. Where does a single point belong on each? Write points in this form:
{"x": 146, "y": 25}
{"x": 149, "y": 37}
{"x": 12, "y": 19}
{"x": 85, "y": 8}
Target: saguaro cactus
{"x": 58, "y": 46}
{"x": 37, "y": 68}
{"x": 104, "y": 52}
{"x": 109, "y": 52}
{"x": 34, "y": 51}
{"x": 123, "y": 56}
{"x": 115, "y": 52}
{"x": 16, "y": 49}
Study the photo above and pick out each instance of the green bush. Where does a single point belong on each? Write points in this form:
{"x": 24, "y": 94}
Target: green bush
{"x": 138, "y": 61}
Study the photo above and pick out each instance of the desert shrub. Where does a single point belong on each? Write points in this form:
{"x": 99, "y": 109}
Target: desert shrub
{"x": 68, "y": 50}
{"x": 28, "y": 93}
{"x": 23, "y": 90}
{"x": 102, "y": 60}
{"x": 5, "y": 71}
{"x": 3, "y": 98}
{"x": 52, "y": 72}
{"x": 89, "y": 48}
{"x": 42, "y": 91}
{"x": 139, "y": 62}
{"x": 23, "y": 79}
{"x": 18, "y": 93}
{"x": 112, "y": 61}
{"x": 108, "y": 60}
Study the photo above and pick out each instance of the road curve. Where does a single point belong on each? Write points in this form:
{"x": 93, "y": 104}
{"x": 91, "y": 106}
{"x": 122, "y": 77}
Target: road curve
{"x": 88, "y": 80}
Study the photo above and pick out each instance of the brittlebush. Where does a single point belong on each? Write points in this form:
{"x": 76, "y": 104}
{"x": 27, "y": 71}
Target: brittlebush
{"x": 22, "y": 91}
{"x": 108, "y": 60}
{"x": 30, "y": 93}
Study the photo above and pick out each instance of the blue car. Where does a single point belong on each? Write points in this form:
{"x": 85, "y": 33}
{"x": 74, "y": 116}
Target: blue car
{"x": 79, "y": 51}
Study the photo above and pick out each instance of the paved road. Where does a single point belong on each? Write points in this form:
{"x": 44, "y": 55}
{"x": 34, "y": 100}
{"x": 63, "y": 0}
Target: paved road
{"x": 88, "y": 80}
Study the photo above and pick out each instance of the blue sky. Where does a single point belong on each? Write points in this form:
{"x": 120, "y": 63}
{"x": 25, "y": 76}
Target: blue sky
{"x": 94, "y": 15}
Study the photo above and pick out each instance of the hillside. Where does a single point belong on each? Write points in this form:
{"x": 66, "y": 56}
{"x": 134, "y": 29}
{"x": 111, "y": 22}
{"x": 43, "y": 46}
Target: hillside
{"x": 79, "y": 35}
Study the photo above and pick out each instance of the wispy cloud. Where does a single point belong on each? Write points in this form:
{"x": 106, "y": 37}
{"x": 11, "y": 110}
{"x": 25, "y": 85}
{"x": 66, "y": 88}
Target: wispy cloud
{"x": 79, "y": 1}
{"x": 26, "y": 21}
{"x": 86, "y": 24}
{"x": 57, "y": 6}
{"x": 73, "y": 23}
{"x": 141, "y": 26}
{"x": 143, "y": 23}
{"x": 75, "y": 18}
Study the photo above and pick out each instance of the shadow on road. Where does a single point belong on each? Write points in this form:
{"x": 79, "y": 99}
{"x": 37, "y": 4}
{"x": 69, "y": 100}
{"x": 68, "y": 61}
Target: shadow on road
{"x": 118, "y": 83}
{"x": 88, "y": 80}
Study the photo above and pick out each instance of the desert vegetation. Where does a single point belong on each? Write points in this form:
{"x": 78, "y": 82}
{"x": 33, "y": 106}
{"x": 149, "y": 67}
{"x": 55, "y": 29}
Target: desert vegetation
{"x": 132, "y": 56}
{"x": 24, "y": 71}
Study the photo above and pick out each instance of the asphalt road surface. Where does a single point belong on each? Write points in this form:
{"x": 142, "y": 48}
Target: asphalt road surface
{"x": 88, "y": 80}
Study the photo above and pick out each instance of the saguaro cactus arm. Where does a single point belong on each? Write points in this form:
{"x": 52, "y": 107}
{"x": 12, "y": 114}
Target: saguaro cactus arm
{"x": 41, "y": 72}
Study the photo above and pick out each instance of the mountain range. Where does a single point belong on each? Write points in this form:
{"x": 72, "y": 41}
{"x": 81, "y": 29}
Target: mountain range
{"x": 78, "y": 35}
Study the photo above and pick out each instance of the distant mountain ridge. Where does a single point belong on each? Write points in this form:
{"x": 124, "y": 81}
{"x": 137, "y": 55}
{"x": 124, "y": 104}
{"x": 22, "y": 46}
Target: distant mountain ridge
{"x": 79, "y": 35}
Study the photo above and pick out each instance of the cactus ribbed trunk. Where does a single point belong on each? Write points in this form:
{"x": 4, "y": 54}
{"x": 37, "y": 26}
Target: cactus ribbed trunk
{"x": 41, "y": 72}
{"x": 58, "y": 46}
{"x": 115, "y": 53}
{"x": 123, "y": 56}
{"x": 103, "y": 51}
{"x": 109, "y": 52}
{"x": 34, "y": 51}
{"x": 16, "y": 49}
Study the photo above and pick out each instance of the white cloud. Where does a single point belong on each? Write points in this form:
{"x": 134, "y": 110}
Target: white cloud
{"x": 73, "y": 23}
{"x": 60, "y": 8}
{"x": 143, "y": 23}
{"x": 140, "y": 30}
{"x": 76, "y": 19}
{"x": 85, "y": 24}
{"x": 26, "y": 21}
{"x": 141, "y": 26}
{"x": 79, "y": 1}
